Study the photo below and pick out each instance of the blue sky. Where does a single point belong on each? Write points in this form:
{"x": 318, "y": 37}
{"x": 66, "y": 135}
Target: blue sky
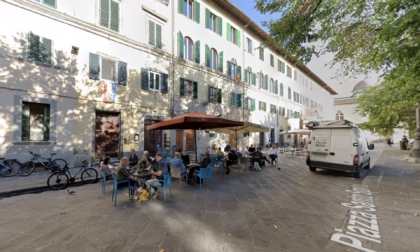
{"x": 247, "y": 7}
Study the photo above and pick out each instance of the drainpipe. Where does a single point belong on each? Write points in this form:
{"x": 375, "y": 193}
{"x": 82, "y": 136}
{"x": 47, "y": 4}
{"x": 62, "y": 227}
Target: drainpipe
{"x": 172, "y": 111}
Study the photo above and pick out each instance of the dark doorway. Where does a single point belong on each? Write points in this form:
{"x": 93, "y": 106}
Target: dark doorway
{"x": 233, "y": 140}
{"x": 180, "y": 139}
{"x": 261, "y": 139}
{"x": 107, "y": 134}
{"x": 152, "y": 138}
{"x": 272, "y": 136}
{"x": 190, "y": 140}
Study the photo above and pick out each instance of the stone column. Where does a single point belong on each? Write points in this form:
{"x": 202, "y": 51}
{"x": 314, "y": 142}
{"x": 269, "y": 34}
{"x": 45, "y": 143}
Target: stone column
{"x": 415, "y": 150}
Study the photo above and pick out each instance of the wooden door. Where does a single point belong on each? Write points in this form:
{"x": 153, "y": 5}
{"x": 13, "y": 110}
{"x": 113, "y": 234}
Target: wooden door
{"x": 281, "y": 138}
{"x": 180, "y": 139}
{"x": 190, "y": 140}
{"x": 233, "y": 140}
{"x": 262, "y": 139}
{"x": 152, "y": 138}
{"x": 107, "y": 134}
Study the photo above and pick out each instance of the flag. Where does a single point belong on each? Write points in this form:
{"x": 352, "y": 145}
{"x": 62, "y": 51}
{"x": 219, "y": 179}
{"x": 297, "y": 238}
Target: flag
{"x": 110, "y": 89}
{"x": 238, "y": 77}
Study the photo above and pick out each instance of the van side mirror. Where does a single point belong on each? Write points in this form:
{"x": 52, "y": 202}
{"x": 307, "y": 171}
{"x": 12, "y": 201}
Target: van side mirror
{"x": 371, "y": 147}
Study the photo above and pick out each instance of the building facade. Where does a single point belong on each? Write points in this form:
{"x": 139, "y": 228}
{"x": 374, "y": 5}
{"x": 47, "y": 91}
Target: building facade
{"x": 86, "y": 78}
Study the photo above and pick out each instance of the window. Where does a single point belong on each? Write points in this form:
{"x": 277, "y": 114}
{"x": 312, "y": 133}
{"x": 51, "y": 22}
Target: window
{"x": 248, "y": 76}
{"x": 154, "y": 81}
{"x": 312, "y": 104}
{"x": 189, "y": 8}
{"x": 295, "y": 75}
{"x": 260, "y": 81}
{"x": 307, "y": 82}
{"x": 249, "y": 45}
{"x": 307, "y": 102}
{"x": 233, "y": 35}
{"x": 262, "y": 54}
{"x": 281, "y": 89}
{"x": 339, "y": 116}
{"x": 50, "y": 3}
{"x": 212, "y": 94}
{"x": 233, "y": 100}
{"x": 263, "y": 106}
{"x": 40, "y": 49}
{"x": 271, "y": 60}
{"x": 289, "y": 72}
{"x": 272, "y": 88}
{"x": 213, "y": 59}
{"x": 188, "y": 49}
{"x": 280, "y": 66}
{"x": 289, "y": 93}
{"x": 273, "y": 109}
{"x": 110, "y": 14}
{"x": 154, "y": 34}
{"x": 35, "y": 122}
{"x": 109, "y": 71}
{"x": 188, "y": 88}
{"x": 213, "y": 22}
{"x": 249, "y": 103}
{"x": 233, "y": 70}
{"x": 236, "y": 100}
{"x": 101, "y": 68}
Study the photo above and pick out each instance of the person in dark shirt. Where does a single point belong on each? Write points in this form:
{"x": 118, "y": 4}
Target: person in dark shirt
{"x": 227, "y": 148}
{"x": 203, "y": 164}
{"x": 185, "y": 158}
{"x": 133, "y": 159}
{"x": 232, "y": 159}
{"x": 162, "y": 168}
{"x": 123, "y": 174}
{"x": 251, "y": 149}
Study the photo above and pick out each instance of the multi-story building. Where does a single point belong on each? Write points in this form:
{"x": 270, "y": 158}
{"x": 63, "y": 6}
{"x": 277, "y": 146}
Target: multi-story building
{"x": 85, "y": 78}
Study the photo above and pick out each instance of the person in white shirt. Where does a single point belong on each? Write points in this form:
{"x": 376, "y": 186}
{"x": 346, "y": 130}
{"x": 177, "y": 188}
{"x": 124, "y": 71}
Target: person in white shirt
{"x": 238, "y": 149}
{"x": 273, "y": 154}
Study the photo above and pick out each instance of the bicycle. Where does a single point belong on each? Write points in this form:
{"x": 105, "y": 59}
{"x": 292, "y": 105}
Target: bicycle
{"x": 60, "y": 178}
{"x": 28, "y": 167}
{"x": 9, "y": 167}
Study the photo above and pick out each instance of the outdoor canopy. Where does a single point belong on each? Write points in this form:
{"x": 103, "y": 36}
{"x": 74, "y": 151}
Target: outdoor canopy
{"x": 194, "y": 121}
{"x": 298, "y": 131}
{"x": 245, "y": 128}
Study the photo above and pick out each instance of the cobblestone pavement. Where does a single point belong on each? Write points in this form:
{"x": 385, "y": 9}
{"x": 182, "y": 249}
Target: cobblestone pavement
{"x": 272, "y": 210}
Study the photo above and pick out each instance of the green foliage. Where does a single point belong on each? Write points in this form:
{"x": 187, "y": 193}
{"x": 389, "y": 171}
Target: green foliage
{"x": 363, "y": 36}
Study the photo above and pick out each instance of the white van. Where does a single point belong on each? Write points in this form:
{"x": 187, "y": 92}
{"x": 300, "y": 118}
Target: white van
{"x": 339, "y": 146}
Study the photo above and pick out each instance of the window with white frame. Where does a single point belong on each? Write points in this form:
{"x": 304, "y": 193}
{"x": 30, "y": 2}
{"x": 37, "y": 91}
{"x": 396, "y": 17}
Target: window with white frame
{"x": 249, "y": 77}
{"x": 249, "y": 45}
{"x": 295, "y": 75}
{"x": 233, "y": 100}
{"x": 109, "y": 14}
{"x": 213, "y": 94}
{"x": 261, "y": 81}
{"x": 233, "y": 69}
{"x": 188, "y": 49}
{"x": 188, "y": 88}
{"x": 262, "y": 54}
{"x": 272, "y": 88}
{"x": 154, "y": 81}
{"x": 189, "y": 8}
{"x": 213, "y": 59}
{"x": 339, "y": 116}
{"x": 249, "y": 102}
{"x": 40, "y": 48}
{"x": 289, "y": 72}
{"x": 154, "y": 34}
{"x": 108, "y": 69}
{"x": 233, "y": 36}
{"x": 213, "y": 22}
{"x": 35, "y": 122}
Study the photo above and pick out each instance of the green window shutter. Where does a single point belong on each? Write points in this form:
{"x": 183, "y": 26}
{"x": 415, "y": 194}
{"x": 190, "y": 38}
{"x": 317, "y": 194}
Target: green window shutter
{"x": 254, "y": 79}
{"x": 228, "y": 30}
{"x": 34, "y": 46}
{"x": 271, "y": 60}
{"x": 181, "y": 6}
{"x": 197, "y": 52}
{"x": 221, "y": 62}
{"x": 46, "y": 51}
{"x": 105, "y": 13}
{"x": 246, "y": 103}
{"x": 278, "y": 65}
{"x": 144, "y": 78}
{"x": 208, "y": 93}
{"x": 26, "y": 113}
{"x": 284, "y": 67}
{"x": 207, "y": 56}
{"x": 195, "y": 90}
{"x": 158, "y": 36}
{"x": 253, "y": 105}
{"x": 151, "y": 33}
{"x": 279, "y": 110}
{"x": 51, "y": 3}
{"x": 265, "y": 106}
{"x": 266, "y": 82}
{"x": 181, "y": 87}
{"x": 276, "y": 86}
{"x": 219, "y": 95}
{"x": 94, "y": 69}
{"x": 259, "y": 105}
{"x": 246, "y": 76}
{"x": 181, "y": 44}
{"x": 115, "y": 16}
{"x": 206, "y": 131}
{"x": 238, "y": 34}
{"x": 275, "y": 109}
{"x": 220, "y": 26}
{"x": 229, "y": 68}
{"x": 122, "y": 73}
{"x": 46, "y": 122}
{"x": 207, "y": 17}
{"x": 239, "y": 72}
{"x": 250, "y": 133}
{"x": 245, "y": 134}
{"x": 239, "y": 100}
{"x": 164, "y": 78}
{"x": 197, "y": 11}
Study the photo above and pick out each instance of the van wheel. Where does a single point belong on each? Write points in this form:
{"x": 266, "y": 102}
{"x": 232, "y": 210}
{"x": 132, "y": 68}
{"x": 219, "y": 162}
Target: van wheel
{"x": 311, "y": 168}
{"x": 367, "y": 167}
{"x": 356, "y": 174}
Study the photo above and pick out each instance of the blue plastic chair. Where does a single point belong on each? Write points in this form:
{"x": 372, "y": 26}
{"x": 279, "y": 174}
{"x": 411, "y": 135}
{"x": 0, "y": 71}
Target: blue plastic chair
{"x": 116, "y": 189}
{"x": 104, "y": 180}
{"x": 201, "y": 156}
{"x": 166, "y": 182}
{"x": 168, "y": 159}
{"x": 215, "y": 165}
{"x": 204, "y": 173}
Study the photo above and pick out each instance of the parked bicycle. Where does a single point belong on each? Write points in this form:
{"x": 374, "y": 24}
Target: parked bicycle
{"x": 62, "y": 177}
{"x": 28, "y": 168}
{"x": 9, "y": 167}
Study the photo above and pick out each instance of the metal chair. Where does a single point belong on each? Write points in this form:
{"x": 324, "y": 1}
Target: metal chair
{"x": 176, "y": 173}
{"x": 104, "y": 180}
{"x": 117, "y": 188}
{"x": 204, "y": 173}
{"x": 165, "y": 183}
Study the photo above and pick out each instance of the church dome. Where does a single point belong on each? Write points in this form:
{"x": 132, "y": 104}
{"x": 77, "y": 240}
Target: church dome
{"x": 360, "y": 86}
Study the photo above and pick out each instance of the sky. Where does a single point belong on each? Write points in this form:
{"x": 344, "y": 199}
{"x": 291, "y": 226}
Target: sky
{"x": 343, "y": 86}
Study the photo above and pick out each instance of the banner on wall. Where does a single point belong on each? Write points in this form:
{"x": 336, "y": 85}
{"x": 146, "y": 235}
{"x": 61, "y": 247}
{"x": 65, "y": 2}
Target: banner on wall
{"x": 110, "y": 90}
{"x": 312, "y": 112}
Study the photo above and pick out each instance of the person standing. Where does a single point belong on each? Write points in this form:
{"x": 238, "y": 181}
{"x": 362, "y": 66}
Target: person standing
{"x": 162, "y": 170}
{"x": 273, "y": 154}
{"x": 133, "y": 159}
{"x": 227, "y": 148}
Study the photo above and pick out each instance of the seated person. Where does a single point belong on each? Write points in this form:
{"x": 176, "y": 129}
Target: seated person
{"x": 273, "y": 154}
{"x": 203, "y": 164}
{"x": 101, "y": 160}
{"x": 220, "y": 152}
{"x": 162, "y": 170}
{"x": 108, "y": 170}
{"x": 143, "y": 163}
{"x": 232, "y": 159}
{"x": 133, "y": 159}
{"x": 123, "y": 174}
{"x": 185, "y": 158}
{"x": 147, "y": 155}
{"x": 251, "y": 149}
{"x": 176, "y": 162}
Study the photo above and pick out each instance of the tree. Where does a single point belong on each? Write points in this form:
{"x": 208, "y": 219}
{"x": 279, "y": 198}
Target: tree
{"x": 364, "y": 36}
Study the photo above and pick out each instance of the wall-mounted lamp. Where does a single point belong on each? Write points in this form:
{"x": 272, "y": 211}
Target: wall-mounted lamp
{"x": 75, "y": 50}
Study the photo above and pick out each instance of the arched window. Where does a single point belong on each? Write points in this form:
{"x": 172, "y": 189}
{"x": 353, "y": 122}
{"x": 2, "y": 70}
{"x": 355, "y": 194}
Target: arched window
{"x": 248, "y": 75}
{"x": 261, "y": 81}
{"x": 188, "y": 49}
{"x": 289, "y": 93}
{"x": 272, "y": 88}
{"x": 233, "y": 68}
{"x": 339, "y": 116}
{"x": 281, "y": 89}
{"x": 213, "y": 59}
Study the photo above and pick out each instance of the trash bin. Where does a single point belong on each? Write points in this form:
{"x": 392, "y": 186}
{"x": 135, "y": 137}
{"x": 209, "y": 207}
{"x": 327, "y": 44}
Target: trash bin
{"x": 402, "y": 146}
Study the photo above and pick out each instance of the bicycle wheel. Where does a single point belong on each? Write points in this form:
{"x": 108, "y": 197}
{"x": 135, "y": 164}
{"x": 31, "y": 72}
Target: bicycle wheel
{"x": 57, "y": 165}
{"x": 89, "y": 175}
{"x": 14, "y": 168}
{"x": 57, "y": 181}
{"x": 26, "y": 169}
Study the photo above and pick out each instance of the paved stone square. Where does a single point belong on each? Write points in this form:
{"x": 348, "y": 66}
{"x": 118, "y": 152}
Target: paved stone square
{"x": 272, "y": 210}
